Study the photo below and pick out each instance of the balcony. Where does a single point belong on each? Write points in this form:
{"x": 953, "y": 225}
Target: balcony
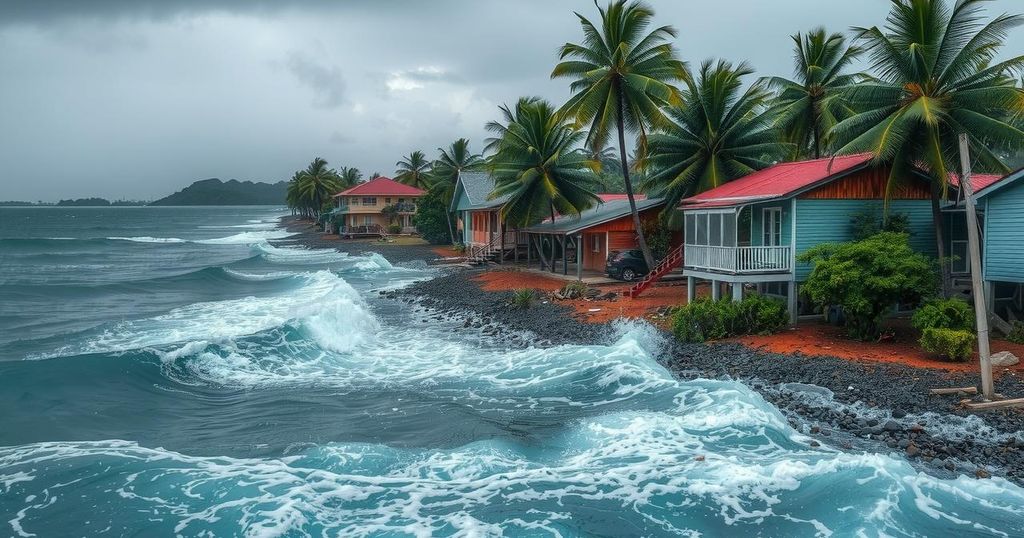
{"x": 738, "y": 260}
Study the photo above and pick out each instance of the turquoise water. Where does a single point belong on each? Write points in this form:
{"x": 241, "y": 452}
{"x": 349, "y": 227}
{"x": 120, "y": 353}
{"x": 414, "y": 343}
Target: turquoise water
{"x": 172, "y": 371}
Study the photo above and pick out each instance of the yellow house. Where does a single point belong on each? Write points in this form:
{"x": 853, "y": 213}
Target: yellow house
{"x": 374, "y": 206}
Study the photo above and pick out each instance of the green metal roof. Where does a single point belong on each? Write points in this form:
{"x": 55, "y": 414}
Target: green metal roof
{"x": 478, "y": 187}
{"x": 594, "y": 216}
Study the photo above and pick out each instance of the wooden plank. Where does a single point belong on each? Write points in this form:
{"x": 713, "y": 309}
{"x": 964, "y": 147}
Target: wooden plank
{"x": 996, "y": 404}
{"x": 955, "y": 390}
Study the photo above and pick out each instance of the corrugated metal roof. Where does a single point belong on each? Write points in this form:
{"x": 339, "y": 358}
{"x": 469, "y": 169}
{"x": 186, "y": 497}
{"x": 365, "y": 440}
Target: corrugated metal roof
{"x": 980, "y": 182}
{"x": 599, "y": 214}
{"x": 382, "y": 186}
{"x": 478, "y": 187}
{"x": 983, "y": 187}
{"x": 778, "y": 181}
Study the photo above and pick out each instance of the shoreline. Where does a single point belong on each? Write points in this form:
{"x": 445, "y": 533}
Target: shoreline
{"x": 847, "y": 404}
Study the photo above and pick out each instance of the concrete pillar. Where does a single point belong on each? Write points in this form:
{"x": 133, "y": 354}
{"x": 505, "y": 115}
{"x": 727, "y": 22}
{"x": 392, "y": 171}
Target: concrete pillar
{"x": 691, "y": 289}
{"x": 791, "y": 294}
{"x": 716, "y": 290}
{"x": 737, "y": 291}
{"x": 579, "y": 257}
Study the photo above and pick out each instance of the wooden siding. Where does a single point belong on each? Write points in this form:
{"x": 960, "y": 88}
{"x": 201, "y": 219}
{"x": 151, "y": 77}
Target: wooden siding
{"x": 483, "y": 226}
{"x": 869, "y": 184}
{"x": 823, "y": 221}
{"x": 757, "y": 222}
{"x": 1004, "y": 250}
{"x": 622, "y": 240}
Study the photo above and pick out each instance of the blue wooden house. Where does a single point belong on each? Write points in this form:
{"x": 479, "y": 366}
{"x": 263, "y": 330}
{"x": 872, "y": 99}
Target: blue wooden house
{"x": 1002, "y": 205}
{"x": 751, "y": 230}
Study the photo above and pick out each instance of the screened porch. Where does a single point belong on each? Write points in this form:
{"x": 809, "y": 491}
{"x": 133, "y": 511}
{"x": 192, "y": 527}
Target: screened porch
{"x": 745, "y": 240}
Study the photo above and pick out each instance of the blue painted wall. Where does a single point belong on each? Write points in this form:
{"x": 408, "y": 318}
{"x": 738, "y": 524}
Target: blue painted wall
{"x": 757, "y": 221}
{"x": 463, "y": 201}
{"x": 1004, "y": 227}
{"x": 824, "y": 221}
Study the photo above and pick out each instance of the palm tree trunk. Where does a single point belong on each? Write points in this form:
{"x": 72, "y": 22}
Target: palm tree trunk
{"x": 451, "y": 232}
{"x": 629, "y": 191}
{"x": 940, "y": 241}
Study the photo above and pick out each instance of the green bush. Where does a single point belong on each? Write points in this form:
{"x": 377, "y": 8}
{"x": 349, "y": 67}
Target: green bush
{"x": 459, "y": 247}
{"x": 394, "y": 229}
{"x": 432, "y": 219}
{"x": 951, "y": 343}
{"x": 523, "y": 298}
{"x": 953, "y": 314}
{"x": 659, "y": 238}
{"x": 866, "y": 278}
{"x": 868, "y": 223}
{"x": 1016, "y": 334}
{"x": 705, "y": 319}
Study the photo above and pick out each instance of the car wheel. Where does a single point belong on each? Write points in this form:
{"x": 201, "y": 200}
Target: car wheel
{"x": 628, "y": 274}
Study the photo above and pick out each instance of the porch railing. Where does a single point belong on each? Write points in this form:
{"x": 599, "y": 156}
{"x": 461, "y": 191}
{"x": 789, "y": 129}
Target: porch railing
{"x": 739, "y": 260}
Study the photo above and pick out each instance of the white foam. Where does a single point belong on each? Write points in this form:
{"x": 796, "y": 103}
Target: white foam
{"x": 247, "y": 238}
{"x": 148, "y": 239}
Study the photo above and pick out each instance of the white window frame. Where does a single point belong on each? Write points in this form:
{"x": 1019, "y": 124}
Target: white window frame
{"x": 367, "y": 220}
{"x": 595, "y": 243}
{"x": 369, "y": 200}
{"x": 768, "y": 233}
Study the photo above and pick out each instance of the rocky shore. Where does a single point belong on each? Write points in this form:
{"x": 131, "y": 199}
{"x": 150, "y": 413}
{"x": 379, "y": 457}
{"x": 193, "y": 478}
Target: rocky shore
{"x": 846, "y": 404}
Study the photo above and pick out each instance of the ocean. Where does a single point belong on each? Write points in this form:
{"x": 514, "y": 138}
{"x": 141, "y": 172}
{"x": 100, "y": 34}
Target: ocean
{"x": 179, "y": 372}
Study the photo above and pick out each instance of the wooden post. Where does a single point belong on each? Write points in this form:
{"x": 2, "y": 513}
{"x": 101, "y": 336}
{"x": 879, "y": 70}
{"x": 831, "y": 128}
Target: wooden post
{"x": 554, "y": 252}
{"x": 501, "y": 253}
{"x": 529, "y": 250}
{"x": 737, "y": 291}
{"x": 716, "y": 290}
{"x": 691, "y": 289}
{"x": 565, "y": 258}
{"x": 579, "y": 257}
{"x": 791, "y": 300}
{"x": 974, "y": 248}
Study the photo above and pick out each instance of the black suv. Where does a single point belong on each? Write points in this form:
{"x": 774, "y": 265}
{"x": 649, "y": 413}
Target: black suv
{"x": 626, "y": 265}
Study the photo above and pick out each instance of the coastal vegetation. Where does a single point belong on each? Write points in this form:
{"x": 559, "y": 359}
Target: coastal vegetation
{"x": 947, "y": 328}
{"x": 707, "y": 319}
{"x": 866, "y": 278}
{"x": 310, "y": 190}
{"x": 414, "y": 170}
{"x": 232, "y": 192}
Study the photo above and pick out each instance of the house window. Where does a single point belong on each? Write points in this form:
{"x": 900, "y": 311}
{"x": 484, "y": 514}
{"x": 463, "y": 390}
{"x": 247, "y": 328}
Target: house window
{"x": 387, "y": 201}
{"x": 772, "y": 222}
{"x": 352, "y": 201}
{"x": 369, "y": 200}
{"x": 691, "y": 228}
{"x": 961, "y": 258}
{"x": 367, "y": 220}
{"x": 715, "y": 229}
{"x": 595, "y": 243}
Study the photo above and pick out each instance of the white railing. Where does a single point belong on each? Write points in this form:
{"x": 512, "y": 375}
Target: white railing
{"x": 738, "y": 260}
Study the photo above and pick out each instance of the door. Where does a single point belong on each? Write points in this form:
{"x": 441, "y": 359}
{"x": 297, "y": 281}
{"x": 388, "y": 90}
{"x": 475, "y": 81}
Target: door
{"x": 772, "y": 223}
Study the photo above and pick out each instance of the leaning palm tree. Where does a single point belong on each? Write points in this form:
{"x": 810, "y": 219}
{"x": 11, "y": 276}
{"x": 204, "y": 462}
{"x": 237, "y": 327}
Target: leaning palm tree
{"x": 622, "y": 76}
{"x": 718, "y": 133}
{"x": 536, "y": 163}
{"x": 414, "y": 170}
{"x": 350, "y": 176}
{"x": 452, "y": 161}
{"x": 809, "y": 105}
{"x": 934, "y": 79}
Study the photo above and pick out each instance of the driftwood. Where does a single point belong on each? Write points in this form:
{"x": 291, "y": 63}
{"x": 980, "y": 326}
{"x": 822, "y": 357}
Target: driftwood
{"x": 955, "y": 390}
{"x": 995, "y": 404}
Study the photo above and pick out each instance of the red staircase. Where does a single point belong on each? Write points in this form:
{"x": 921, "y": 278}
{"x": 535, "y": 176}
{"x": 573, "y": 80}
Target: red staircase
{"x": 670, "y": 262}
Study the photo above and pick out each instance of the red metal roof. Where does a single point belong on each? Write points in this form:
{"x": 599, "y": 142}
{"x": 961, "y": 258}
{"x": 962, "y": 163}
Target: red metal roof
{"x": 382, "y": 186}
{"x": 978, "y": 181}
{"x": 778, "y": 181}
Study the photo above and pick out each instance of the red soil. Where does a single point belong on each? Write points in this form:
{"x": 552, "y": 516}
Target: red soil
{"x": 819, "y": 339}
{"x": 808, "y": 338}
{"x": 446, "y": 252}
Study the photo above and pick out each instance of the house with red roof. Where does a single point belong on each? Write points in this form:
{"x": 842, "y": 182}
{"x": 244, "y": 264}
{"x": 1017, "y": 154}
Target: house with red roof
{"x": 377, "y": 206}
{"x": 751, "y": 230}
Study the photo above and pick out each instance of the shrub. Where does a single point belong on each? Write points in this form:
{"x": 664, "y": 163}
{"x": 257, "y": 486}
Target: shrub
{"x": 953, "y": 314}
{"x": 459, "y": 247}
{"x": 574, "y": 290}
{"x": 866, "y": 278}
{"x": 523, "y": 298}
{"x": 659, "y": 238}
{"x": 868, "y": 223}
{"x": 1016, "y": 334}
{"x": 432, "y": 219}
{"x": 394, "y": 229}
{"x": 951, "y": 343}
{"x": 705, "y": 319}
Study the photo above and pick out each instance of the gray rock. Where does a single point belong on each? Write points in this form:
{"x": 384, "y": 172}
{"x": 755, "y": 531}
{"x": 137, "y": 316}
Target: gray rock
{"x": 1003, "y": 358}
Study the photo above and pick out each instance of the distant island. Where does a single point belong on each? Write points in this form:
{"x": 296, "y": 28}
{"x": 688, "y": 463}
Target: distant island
{"x": 232, "y": 192}
{"x": 75, "y": 202}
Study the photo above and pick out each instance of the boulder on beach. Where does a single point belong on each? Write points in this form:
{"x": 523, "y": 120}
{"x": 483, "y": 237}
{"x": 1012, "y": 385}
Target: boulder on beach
{"x": 1003, "y": 358}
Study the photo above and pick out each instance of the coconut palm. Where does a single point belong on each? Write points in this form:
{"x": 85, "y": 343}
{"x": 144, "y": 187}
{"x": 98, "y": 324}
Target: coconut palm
{"x": 809, "y": 105}
{"x": 934, "y": 79}
{"x": 717, "y": 134}
{"x": 446, "y": 169}
{"x": 414, "y": 170}
{"x": 310, "y": 189}
{"x": 536, "y": 163}
{"x": 350, "y": 176}
{"x": 622, "y": 76}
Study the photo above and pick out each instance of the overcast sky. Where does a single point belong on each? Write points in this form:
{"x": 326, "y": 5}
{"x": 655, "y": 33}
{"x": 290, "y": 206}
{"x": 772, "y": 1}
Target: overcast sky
{"x": 138, "y": 98}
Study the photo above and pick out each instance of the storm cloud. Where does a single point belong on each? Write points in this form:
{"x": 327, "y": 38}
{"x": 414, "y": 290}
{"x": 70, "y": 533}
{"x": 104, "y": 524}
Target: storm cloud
{"x": 139, "y": 98}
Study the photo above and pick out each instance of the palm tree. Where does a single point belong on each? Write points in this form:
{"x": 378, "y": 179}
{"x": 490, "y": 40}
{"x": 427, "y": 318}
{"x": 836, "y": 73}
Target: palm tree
{"x": 809, "y": 105}
{"x": 311, "y": 188}
{"x": 933, "y": 81}
{"x": 621, "y": 79}
{"x": 350, "y": 176}
{"x": 536, "y": 163}
{"x": 414, "y": 170}
{"x": 718, "y": 133}
{"x": 446, "y": 169}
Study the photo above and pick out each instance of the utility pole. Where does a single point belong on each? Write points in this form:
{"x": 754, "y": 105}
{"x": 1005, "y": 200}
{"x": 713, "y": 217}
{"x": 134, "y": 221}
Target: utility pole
{"x": 974, "y": 249}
